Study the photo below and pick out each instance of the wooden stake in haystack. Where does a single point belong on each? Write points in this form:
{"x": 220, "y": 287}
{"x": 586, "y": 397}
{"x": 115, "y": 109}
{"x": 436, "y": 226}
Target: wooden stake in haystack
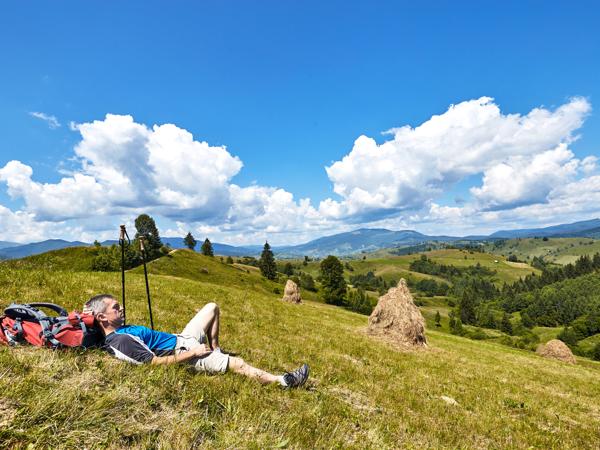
{"x": 397, "y": 317}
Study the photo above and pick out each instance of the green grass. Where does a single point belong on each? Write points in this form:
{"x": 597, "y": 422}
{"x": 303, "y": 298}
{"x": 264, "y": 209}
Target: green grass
{"x": 195, "y": 266}
{"x": 363, "y": 393}
{"x": 547, "y": 333}
{"x": 76, "y": 259}
{"x": 589, "y": 343}
{"x": 556, "y": 250}
{"x": 506, "y": 271}
{"x": 396, "y": 267}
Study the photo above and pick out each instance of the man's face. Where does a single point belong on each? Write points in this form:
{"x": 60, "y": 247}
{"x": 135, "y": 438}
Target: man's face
{"x": 113, "y": 314}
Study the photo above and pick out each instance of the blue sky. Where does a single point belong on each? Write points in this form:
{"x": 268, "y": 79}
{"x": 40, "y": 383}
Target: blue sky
{"x": 288, "y": 87}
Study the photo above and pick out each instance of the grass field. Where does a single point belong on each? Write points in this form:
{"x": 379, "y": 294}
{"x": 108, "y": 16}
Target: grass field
{"x": 363, "y": 393}
{"x": 77, "y": 259}
{"x": 556, "y": 250}
{"x": 396, "y": 267}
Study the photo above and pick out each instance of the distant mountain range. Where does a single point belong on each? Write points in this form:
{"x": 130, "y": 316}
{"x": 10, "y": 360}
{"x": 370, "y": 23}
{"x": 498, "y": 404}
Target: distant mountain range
{"x": 358, "y": 241}
{"x": 342, "y": 244}
{"x": 4, "y": 244}
{"x": 20, "y": 251}
{"x": 586, "y": 228}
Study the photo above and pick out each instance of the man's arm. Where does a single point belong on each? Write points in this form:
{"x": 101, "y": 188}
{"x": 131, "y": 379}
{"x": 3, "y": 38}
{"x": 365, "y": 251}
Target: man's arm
{"x": 196, "y": 352}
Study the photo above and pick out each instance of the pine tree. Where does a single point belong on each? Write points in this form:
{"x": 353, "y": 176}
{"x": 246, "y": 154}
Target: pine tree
{"x": 146, "y": 228}
{"x": 456, "y": 327}
{"x": 189, "y": 241}
{"x": 229, "y": 260}
{"x": 288, "y": 269}
{"x": 526, "y": 320}
{"x": 267, "y": 263}
{"x": 438, "y": 319}
{"x": 207, "y": 249}
{"x": 332, "y": 280}
{"x": 505, "y": 325}
{"x": 467, "y": 306}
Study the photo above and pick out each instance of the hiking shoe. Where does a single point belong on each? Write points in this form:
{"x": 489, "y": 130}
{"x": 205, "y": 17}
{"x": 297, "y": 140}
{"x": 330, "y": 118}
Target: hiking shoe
{"x": 296, "y": 378}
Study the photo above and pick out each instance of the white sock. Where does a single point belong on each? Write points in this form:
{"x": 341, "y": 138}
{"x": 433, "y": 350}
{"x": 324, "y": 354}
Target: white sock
{"x": 281, "y": 380}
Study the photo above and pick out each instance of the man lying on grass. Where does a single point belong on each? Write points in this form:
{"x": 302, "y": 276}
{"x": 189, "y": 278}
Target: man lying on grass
{"x": 198, "y": 343}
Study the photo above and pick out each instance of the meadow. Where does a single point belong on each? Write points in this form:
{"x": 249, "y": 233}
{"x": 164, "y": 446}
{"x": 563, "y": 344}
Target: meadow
{"x": 396, "y": 267}
{"x": 363, "y": 392}
{"x": 555, "y": 250}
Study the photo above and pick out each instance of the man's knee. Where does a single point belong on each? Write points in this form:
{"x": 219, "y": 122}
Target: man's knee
{"x": 236, "y": 363}
{"x": 212, "y": 307}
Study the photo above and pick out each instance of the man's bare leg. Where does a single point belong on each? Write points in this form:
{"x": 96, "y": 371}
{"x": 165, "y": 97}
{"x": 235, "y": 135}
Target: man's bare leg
{"x": 238, "y": 365}
{"x": 207, "y": 320}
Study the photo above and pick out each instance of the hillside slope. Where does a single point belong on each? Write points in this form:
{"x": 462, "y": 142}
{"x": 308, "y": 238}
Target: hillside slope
{"x": 190, "y": 265}
{"x": 76, "y": 259}
{"x": 395, "y": 267}
{"x": 555, "y": 250}
{"x": 363, "y": 393}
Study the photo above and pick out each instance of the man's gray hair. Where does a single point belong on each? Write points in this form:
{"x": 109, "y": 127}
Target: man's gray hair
{"x": 96, "y": 304}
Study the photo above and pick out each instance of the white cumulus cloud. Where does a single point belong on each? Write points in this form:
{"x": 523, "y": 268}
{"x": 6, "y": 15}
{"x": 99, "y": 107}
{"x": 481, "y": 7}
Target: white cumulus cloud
{"x": 127, "y": 168}
{"x": 527, "y": 169}
{"x": 419, "y": 163}
{"x": 524, "y": 180}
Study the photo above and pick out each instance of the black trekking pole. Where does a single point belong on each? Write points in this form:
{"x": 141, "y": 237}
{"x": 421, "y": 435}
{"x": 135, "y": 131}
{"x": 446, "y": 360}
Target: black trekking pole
{"x": 122, "y": 237}
{"x": 143, "y": 251}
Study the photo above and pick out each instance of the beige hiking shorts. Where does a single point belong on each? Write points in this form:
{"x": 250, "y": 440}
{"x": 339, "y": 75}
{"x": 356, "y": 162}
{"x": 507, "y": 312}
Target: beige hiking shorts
{"x": 192, "y": 336}
{"x": 214, "y": 362}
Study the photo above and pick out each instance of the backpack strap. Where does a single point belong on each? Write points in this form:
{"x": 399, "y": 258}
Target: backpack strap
{"x": 46, "y": 325}
{"x": 27, "y": 312}
{"x": 54, "y": 307}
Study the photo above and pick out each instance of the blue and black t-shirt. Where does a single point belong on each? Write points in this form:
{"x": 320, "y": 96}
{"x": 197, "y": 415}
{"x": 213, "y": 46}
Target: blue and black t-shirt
{"x": 138, "y": 344}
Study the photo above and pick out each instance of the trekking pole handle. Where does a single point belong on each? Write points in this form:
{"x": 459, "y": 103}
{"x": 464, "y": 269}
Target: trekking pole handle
{"x": 142, "y": 248}
{"x": 123, "y": 234}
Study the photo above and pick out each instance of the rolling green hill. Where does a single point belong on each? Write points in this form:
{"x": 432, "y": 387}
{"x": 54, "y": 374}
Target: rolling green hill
{"x": 555, "y": 250}
{"x": 190, "y": 265}
{"x": 76, "y": 259}
{"x": 363, "y": 392}
{"x": 395, "y": 267}
{"x": 195, "y": 266}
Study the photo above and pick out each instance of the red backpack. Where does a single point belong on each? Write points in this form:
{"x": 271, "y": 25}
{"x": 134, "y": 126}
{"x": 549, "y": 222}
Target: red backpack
{"x": 26, "y": 323}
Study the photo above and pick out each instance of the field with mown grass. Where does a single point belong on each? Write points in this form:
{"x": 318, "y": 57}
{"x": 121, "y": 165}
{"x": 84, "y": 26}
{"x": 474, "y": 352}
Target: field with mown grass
{"x": 363, "y": 392}
{"x": 555, "y": 250}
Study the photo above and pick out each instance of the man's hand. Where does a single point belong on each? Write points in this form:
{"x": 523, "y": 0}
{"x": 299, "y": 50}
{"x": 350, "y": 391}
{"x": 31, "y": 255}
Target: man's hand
{"x": 196, "y": 352}
{"x": 201, "y": 350}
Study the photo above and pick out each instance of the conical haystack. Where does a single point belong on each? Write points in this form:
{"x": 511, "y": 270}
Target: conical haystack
{"x": 557, "y": 350}
{"x": 397, "y": 317}
{"x": 291, "y": 293}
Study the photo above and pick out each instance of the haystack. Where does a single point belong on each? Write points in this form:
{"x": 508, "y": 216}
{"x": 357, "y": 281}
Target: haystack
{"x": 291, "y": 293}
{"x": 557, "y": 350}
{"x": 397, "y": 317}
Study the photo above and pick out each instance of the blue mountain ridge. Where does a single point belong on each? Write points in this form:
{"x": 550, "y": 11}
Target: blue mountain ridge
{"x": 576, "y": 229}
{"x": 21, "y": 251}
{"x": 5, "y": 244}
{"x": 341, "y": 244}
